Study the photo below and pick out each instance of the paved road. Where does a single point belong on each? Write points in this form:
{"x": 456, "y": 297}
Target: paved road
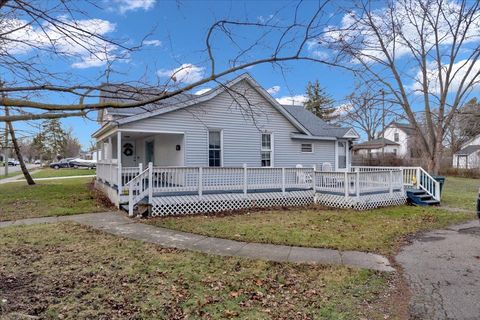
{"x": 443, "y": 271}
{"x": 118, "y": 224}
{"x": 16, "y": 169}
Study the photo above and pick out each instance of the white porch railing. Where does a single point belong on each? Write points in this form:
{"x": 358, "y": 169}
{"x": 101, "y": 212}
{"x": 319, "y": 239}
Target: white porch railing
{"x": 108, "y": 172}
{"x": 359, "y": 183}
{"x": 199, "y": 180}
{"x": 412, "y": 176}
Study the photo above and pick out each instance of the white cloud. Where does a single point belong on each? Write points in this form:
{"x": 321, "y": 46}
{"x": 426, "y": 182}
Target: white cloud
{"x": 265, "y": 19}
{"x": 202, "y": 91}
{"x": 133, "y": 5}
{"x": 153, "y": 43}
{"x": 273, "y": 90}
{"x": 459, "y": 71}
{"x": 186, "y": 73}
{"x": 355, "y": 29}
{"x": 21, "y": 37}
{"x": 292, "y": 100}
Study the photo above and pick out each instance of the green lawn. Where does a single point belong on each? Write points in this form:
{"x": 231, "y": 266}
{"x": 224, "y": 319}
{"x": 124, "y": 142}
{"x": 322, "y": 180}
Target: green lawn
{"x": 460, "y": 193}
{"x": 377, "y": 230}
{"x": 11, "y": 174}
{"x": 48, "y": 198}
{"x": 69, "y": 271}
{"x": 67, "y": 172}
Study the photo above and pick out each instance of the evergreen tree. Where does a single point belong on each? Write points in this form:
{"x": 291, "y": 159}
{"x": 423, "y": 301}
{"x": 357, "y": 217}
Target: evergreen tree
{"x": 319, "y": 102}
{"x": 52, "y": 140}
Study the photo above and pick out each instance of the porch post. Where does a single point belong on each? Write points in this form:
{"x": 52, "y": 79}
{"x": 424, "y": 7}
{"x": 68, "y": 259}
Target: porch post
{"x": 391, "y": 183}
{"x": 357, "y": 183}
{"x": 119, "y": 163}
{"x": 283, "y": 181}
{"x": 245, "y": 177}
{"x": 200, "y": 181}
{"x": 110, "y": 171}
{"x": 346, "y": 185}
{"x": 150, "y": 182}
{"x": 314, "y": 175}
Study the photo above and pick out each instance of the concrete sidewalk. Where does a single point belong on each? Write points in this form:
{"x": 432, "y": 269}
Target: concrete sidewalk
{"x": 118, "y": 224}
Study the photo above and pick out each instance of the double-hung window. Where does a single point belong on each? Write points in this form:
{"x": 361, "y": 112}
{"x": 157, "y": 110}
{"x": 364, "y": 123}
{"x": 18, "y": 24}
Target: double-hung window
{"x": 266, "y": 150}
{"x": 214, "y": 148}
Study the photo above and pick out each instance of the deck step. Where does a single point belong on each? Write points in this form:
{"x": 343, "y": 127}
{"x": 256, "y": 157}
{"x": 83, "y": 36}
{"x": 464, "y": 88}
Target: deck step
{"x": 420, "y": 197}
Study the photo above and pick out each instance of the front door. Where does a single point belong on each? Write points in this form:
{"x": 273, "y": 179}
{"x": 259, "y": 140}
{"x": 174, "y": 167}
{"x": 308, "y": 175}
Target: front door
{"x": 149, "y": 152}
{"x": 128, "y": 154}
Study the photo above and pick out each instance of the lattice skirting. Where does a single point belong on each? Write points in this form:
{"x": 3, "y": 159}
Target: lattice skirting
{"x": 180, "y": 205}
{"x": 365, "y": 202}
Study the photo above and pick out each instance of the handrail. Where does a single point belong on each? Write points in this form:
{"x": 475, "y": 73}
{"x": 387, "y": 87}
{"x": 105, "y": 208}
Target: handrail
{"x": 139, "y": 184}
{"x": 429, "y": 185}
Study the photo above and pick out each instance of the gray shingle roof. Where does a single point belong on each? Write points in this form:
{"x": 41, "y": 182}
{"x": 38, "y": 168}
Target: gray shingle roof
{"x": 375, "y": 143}
{"x": 468, "y": 150}
{"x": 125, "y": 93}
{"x": 314, "y": 124}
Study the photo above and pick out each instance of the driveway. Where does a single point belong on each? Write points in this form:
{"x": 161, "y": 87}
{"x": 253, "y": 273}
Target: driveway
{"x": 443, "y": 270}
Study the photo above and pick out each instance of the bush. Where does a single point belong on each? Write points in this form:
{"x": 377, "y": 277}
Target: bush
{"x": 463, "y": 173}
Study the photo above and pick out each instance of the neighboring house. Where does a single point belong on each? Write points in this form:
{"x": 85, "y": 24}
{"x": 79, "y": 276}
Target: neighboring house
{"x": 469, "y": 156}
{"x": 211, "y": 130}
{"x": 399, "y": 139}
{"x": 376, "y": 147}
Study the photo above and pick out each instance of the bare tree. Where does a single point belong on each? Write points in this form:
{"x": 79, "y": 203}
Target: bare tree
{"x": 366, "y": 111}
{"x": 424, "y": 52}
{"x": 273, "y": 42}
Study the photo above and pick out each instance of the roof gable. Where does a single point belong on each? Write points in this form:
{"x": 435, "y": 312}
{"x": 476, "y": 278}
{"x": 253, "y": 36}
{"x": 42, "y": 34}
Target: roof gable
{"x": 212, "y": 94}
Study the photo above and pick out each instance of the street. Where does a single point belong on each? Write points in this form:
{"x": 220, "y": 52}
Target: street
{"x": 16, "y": 169}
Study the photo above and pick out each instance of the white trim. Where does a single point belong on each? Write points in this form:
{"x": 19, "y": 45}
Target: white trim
{"x": 271, "y": 150}
{"x": 311, "y": 144}
{"x": 346, "y": 156}
{"x": 151, "y": 131}
{"x": 351, "y": 133}
{"x": 305, "y": 137}
{"x": 208, "y": 145}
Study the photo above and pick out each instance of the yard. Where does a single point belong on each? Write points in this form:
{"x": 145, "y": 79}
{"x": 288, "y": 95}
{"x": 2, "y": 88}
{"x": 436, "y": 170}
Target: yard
{"x": 379, "y": 230}
{"x": 68, "y": 271}
{"x": 49, "y": 198}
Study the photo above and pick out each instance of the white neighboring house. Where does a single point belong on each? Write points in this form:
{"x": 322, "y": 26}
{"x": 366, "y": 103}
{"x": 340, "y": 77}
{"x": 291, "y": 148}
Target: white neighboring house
{"x": 376, "y": 147}
{"x": 398, "y": 139}
{"x": 469, "y": 156}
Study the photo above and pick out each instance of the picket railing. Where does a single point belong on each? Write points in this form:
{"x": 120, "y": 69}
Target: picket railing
{"x": 359, "y": 183}
{"x": 139, "y": 183}
{"x": 412, "y": 177}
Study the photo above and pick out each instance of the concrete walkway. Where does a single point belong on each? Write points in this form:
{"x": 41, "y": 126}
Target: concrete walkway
{"x": 118, "y": 224}
{"x": 442, "y": 268}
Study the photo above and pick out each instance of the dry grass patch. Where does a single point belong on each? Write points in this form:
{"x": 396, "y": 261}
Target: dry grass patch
{"x": 72, "y": 272}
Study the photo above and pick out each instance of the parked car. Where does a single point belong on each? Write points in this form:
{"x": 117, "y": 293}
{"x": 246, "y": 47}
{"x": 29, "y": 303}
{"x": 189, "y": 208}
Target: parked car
{"x": 38, "y": 162}
{"x": 12, "y": 162}
{"x": 82, "y": 163}
{"x": 64, "y": 163}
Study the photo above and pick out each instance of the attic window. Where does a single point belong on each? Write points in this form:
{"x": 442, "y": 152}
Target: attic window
{"x": 307, "y": 148}
{"x": 396, "y": 137}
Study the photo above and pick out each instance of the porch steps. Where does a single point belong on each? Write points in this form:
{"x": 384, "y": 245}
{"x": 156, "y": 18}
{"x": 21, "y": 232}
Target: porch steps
{"x": 419, "y": 197}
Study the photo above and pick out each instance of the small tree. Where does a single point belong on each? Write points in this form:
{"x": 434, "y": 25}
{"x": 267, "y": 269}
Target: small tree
{"x": 319, "y": 101}
{"x": 52, "y": 140}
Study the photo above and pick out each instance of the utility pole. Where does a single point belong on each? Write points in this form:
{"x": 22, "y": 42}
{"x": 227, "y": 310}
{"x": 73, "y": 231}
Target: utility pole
{"x": 383, "y": 122}
{"x": 6, "y": 153}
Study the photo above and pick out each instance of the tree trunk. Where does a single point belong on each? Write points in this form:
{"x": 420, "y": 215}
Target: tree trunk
{"x": 16, "y": 147}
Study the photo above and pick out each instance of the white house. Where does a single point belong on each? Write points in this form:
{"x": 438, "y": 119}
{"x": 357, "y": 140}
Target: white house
{"x": 398, "y": 139}
{"x": 469, "y": 155}
{"x": 232, "y": 147}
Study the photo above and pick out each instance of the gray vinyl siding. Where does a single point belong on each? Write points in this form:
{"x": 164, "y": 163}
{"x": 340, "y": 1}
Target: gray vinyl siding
{"x": 241, "y": 135}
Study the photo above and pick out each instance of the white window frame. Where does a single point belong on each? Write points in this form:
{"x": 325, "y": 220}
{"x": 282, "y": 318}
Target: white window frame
{"x": 301, "y": 148}
{"x": 271, "y": 150}
{"x": 221, "y": 146}
{"x": 347, "y": 156}
{"x": 396, "y": 137}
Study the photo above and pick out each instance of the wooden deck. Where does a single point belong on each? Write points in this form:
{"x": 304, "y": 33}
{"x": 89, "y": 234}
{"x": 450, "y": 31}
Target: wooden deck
{"x": 188, "y": 190}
